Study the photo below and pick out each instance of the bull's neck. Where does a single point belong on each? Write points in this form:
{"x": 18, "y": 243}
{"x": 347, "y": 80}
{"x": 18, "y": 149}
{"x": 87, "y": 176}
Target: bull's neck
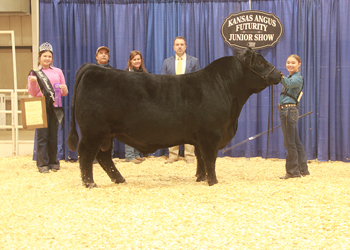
{"x": 243, "y": 97}
{"x": 240, "y": 91}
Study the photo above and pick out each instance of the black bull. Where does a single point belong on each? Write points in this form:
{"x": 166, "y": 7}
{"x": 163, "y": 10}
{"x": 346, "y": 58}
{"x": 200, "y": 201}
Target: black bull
{"x": 150, "y": 112}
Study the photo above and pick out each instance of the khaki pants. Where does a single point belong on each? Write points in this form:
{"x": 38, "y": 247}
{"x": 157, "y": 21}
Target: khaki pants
{"x": 189, "y": 152}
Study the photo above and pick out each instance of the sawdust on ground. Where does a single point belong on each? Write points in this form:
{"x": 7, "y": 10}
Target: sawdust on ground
{"x": 162, "y": 207}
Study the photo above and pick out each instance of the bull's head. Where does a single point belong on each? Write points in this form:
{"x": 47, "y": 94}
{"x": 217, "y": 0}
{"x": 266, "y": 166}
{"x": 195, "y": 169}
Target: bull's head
{"x": 258, "y": 64}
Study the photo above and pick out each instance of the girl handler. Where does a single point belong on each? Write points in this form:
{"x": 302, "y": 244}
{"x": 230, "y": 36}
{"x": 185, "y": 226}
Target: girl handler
{"x": 296, "y": 162}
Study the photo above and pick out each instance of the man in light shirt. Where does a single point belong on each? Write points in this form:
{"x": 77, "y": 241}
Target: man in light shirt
{"x": 180, "y": 63}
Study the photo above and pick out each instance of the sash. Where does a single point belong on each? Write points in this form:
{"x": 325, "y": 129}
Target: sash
{"x": 49, "y": 93}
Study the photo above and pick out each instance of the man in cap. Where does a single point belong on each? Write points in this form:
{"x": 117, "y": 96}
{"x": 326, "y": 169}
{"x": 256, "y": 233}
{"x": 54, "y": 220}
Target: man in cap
{"x": 102, "y": 57}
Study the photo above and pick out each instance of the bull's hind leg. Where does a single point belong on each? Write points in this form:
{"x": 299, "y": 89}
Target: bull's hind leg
{"x": 201, "y": 173}
{"x": 106, "y": 162}
{"x": 87, "y": 152}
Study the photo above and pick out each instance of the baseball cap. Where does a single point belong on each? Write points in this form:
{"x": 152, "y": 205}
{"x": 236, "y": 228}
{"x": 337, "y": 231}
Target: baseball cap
{"x": 102, "y": 47}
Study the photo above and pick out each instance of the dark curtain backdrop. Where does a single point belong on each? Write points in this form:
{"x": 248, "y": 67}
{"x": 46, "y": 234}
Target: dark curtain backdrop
{"x": 318, "y": 31}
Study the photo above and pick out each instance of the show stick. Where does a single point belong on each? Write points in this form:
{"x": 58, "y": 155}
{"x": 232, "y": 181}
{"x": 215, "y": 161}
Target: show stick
{"x": 258, "y": 135}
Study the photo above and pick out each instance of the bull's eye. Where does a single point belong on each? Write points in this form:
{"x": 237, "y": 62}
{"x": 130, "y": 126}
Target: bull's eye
{"x": 260, "y": 63}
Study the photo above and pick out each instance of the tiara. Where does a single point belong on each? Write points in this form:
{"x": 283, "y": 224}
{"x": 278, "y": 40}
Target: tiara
{"x": 45, "y": 46}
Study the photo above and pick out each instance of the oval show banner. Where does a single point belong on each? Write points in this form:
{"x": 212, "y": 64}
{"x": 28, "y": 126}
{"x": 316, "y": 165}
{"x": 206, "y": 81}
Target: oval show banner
{"x": 251, "y": 28}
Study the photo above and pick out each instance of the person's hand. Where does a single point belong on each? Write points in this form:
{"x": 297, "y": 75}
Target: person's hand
{"x": 282, "y": 76}
{"x": 64, "y": 88}
{"x": 32, "y": 79}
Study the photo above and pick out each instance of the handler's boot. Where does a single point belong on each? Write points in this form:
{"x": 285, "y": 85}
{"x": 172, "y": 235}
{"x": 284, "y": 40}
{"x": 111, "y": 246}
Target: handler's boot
{"x": 44, "y": 169}
{"x": 172, "y": 160}
{"x": 140, "y": 159}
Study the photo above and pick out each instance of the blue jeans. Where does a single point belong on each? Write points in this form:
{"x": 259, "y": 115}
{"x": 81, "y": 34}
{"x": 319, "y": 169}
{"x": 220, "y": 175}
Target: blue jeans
{"x": 296, "y": 162}
{"x": 131, "y": 153}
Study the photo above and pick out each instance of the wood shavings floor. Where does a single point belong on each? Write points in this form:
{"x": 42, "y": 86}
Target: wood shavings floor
{"x": 162, "y": 207}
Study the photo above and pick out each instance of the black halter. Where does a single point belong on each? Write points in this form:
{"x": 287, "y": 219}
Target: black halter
{"x": 263, "y": 77}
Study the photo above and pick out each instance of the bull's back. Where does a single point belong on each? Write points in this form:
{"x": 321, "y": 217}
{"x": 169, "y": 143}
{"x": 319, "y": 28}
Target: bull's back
{"x": 122, "y": 91}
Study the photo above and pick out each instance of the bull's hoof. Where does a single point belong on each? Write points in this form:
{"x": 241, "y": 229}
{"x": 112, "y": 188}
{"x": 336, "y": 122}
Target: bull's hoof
{"x": 213, "y": 182}
{"x": 118, "y": 180}
{"x": 201, "y": 178}
{"x": 90, "y": 185}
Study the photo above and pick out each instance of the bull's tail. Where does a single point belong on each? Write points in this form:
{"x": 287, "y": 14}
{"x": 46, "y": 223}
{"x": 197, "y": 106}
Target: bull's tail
{"x": 73, "y": 137}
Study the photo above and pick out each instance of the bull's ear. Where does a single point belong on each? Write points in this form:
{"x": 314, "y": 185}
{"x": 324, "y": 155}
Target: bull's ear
{"x": 252, "y": 58}
{"x": 240, "y": 55}
{"x": 249, "y": 57}
{"x": 247, "y": 52}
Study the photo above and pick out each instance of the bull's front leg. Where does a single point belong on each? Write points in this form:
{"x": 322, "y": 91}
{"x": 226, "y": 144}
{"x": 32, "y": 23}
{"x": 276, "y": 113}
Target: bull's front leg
{"x": 211, "y": 173}
{"x": 201, "y": 173}
{"x": 106, "y": 162}
{"x": 208, "y": 155}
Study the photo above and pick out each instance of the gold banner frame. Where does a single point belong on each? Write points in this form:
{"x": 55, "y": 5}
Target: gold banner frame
{"x": 34, "y": 112}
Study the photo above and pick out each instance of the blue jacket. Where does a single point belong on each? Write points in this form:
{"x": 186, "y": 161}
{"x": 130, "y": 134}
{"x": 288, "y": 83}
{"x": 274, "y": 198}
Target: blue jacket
{"x": 292, "y": 85}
